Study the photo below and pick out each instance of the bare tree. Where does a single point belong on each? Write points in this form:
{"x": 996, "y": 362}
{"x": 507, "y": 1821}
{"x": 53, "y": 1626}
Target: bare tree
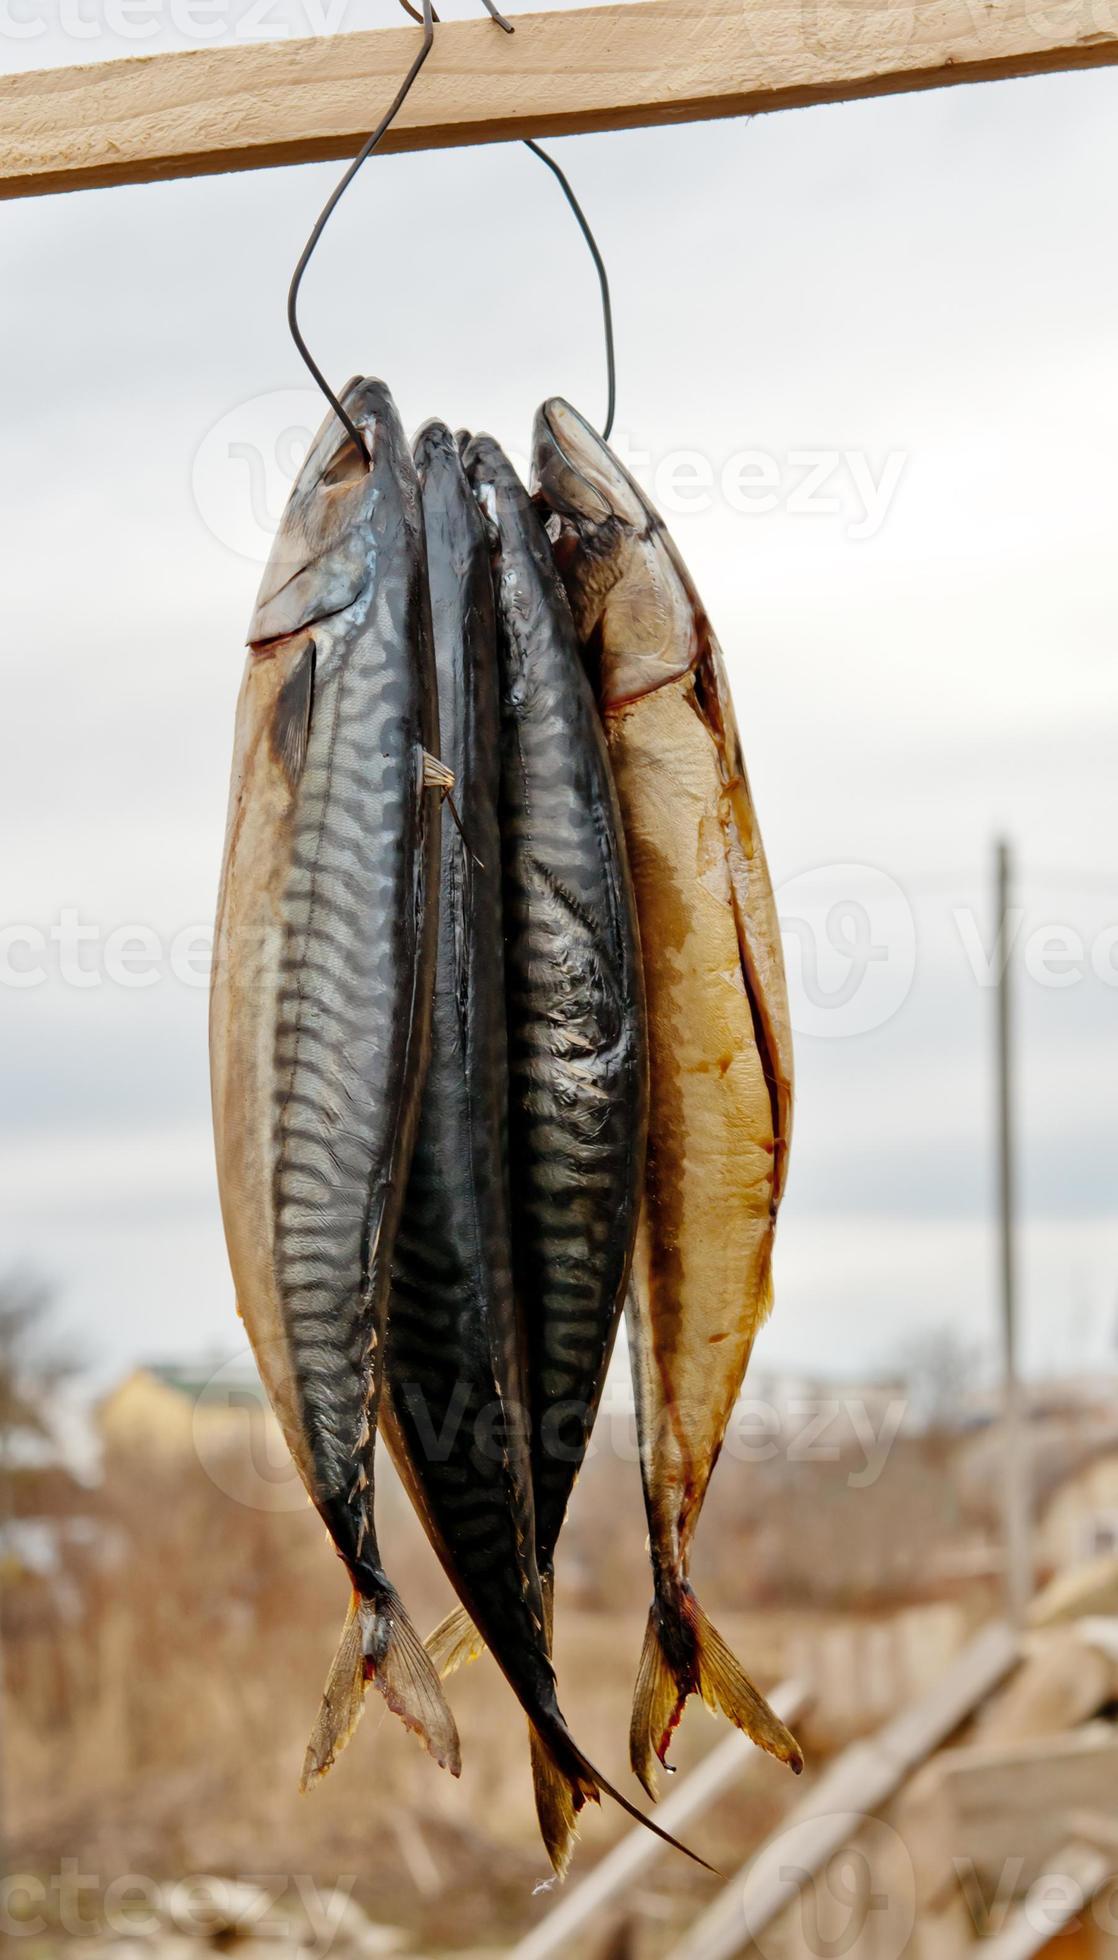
{"x": 33, "y": 1364}
{"x": 941, "y": 1370}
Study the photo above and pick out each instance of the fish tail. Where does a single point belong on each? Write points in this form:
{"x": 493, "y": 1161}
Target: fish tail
{"x": 560, "y": 1795}
{"x": 380, "y": 1645}
{"x": 453, "y": 1642}
{"x": 684, "y": 1654}
{"x": 565, "y": 1782}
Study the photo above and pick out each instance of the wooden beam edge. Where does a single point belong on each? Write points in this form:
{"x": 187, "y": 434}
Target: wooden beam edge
{"x": 422, "y": 126}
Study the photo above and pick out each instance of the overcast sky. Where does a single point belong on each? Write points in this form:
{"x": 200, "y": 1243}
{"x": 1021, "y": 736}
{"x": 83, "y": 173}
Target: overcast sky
{"x": 873, "y": 348}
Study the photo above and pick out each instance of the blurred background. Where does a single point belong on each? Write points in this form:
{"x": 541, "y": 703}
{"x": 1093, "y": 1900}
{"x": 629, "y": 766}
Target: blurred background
{"x": 865, "y": 369}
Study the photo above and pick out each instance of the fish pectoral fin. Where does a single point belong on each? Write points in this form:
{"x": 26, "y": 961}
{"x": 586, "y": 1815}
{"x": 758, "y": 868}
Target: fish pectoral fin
{"x": 380, "y": 1645}
{"x": 436, "y": 775}
{"x": 291, "y": 716}
{"x": 453, "y": 1643}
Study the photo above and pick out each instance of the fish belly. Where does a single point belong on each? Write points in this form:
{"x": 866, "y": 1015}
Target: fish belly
{"x": 248, "y": 949}
{"x": 704, "y": 1248}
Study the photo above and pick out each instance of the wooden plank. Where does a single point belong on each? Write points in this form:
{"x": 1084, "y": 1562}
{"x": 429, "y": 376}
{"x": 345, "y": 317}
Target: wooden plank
{"x": 620, "y": 1869}
{"x": 611, "y": 67}
{"x": 1006, "y": 1807}
{"x": 864, "y": 1777}
{"x": 1064, "y": 1680}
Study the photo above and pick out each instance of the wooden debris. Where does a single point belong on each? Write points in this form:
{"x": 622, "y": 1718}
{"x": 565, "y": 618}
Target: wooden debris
{"x": 863, "y": 1778}
{"x": 1064, "y": 1681}
{"x": 1086, "y": 1589}
{"x": 993, "y": 1816}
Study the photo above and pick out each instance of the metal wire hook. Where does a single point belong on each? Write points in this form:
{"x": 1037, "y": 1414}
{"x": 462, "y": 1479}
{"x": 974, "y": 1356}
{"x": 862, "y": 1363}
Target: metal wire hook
{"x": 584, "y": 227}
{"x": 324, "y": 217}
{"x": 603, "y": 278}
{"x": 427, "y": 19}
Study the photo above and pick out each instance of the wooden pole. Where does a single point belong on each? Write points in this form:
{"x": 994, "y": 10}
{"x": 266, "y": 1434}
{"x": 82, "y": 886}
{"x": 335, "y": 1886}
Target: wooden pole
{"x": 611, "y": 67}
{"x": 1018, "y": 1552}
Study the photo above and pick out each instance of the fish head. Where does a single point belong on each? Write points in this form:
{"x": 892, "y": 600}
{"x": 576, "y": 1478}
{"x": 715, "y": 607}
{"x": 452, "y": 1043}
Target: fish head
{"x": 493, "y": 480}
{"x": 636, "y": 612}
{"x": 435, "y": 447}
{"x": 323, "y": 554}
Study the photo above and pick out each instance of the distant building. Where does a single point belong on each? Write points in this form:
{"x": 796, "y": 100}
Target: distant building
{"x": 163, "y": 1408}
{"x": 212, "y": 1412}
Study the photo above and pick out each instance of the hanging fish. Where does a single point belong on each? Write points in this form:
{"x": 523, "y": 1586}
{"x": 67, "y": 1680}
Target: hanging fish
{"x": 576, "y": 1024}
{"x": 577, "y": 1038}
{"x": 456, "y": 1361}
{"x": 321, "y": 1001}
{"x": 719, "y": 1041}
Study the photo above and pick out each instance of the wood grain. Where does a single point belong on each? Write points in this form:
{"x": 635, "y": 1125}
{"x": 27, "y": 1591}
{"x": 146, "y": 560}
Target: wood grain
{"x": 612, "y": 67}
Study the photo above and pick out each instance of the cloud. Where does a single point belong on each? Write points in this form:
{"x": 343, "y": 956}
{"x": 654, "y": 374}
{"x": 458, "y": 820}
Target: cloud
{"x": 902, "y": 696}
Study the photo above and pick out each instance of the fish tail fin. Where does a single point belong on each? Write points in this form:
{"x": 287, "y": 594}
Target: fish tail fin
{"x": 661, "y": 1691}
{"x": 453, "y": 1643}
{"x": 565, "y": 1781}
{"x": 560, "y": 1794}
{"x": 724, "y": 1685}
{"x": 380, "y": 1645}
{"x": 684, "y": 1654}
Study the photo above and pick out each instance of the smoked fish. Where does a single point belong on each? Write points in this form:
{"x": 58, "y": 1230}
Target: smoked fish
{"x": 458, "y": 1370}
{"x": 578, "y": 1052}
{"x": 719, "y": 1040}
{"x": 321, "y": 1001}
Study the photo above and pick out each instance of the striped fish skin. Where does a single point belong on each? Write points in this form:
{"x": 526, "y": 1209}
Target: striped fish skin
{"x": 454, "y": 1367}
{"x": 577, "y": 1038}
{"x": 719, "y": 1038}
{"x": 321, "y": 998}
{"x": 576, "y": 1084}
{"x": 455, "y": 1355}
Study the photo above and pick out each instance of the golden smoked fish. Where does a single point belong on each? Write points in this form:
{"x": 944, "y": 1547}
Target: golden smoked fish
{"x": 719, "y": 1041}
{"x": 321, "y": 1003}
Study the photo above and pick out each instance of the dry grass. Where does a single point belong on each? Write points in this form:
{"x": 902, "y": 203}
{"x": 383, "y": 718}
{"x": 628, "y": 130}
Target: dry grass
{"x": 163, "y": 1680}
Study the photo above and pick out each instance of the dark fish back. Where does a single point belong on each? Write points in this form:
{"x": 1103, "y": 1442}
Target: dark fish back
{"x": 358, "y": 923}
{"x": 576, "y": 1032}
{"x": 454, "y": 1368}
